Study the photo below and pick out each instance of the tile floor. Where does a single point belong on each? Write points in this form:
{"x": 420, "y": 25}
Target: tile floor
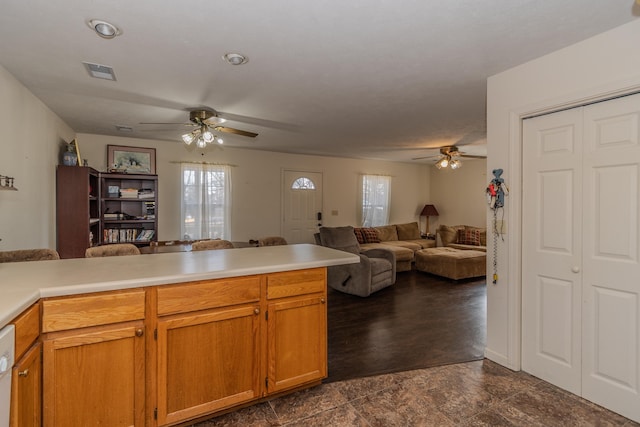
{"x": 479, "y": 393}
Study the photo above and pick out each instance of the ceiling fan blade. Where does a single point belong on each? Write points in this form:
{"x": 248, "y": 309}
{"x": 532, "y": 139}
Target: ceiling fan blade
{"x": 472, "y": 157}
{"x": 166, "y": 123}
{"x": 426, "y": 157}
{"x": 235, "y": 131}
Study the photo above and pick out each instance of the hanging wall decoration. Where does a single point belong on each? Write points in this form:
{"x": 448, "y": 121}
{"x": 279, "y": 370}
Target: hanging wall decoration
{"x": 496, "y": 192}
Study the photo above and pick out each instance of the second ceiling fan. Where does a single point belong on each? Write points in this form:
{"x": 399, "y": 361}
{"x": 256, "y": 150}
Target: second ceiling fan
{"x": 448, "y": 157}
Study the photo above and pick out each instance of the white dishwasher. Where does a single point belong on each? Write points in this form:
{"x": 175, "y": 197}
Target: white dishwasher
{"x": 7, "y": 349}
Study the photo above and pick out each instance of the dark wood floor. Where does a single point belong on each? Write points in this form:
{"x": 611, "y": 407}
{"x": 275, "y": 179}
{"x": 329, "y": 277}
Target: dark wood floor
{"x": 421, "y": 321}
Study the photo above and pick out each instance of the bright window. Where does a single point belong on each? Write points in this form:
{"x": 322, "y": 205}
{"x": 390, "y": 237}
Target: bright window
{"x": 303, "y": 183}
{"x": 206, "y": 201}
{"x": 375, "y": 196}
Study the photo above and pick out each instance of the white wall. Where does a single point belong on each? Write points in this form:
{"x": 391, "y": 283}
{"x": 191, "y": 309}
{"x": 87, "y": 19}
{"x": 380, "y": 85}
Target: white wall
{"x": 596, "y": 68}
{"x": 31, "y": 137}
{"x": 256, "y": 184}
{"x": 459, "y": 195}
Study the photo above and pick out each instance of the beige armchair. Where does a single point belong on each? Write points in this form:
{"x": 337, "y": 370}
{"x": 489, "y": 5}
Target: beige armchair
{"x": 272, "y": 241}
{"x": 115, "y": 249}
{"x": 21, "y": 255}
{"x": 205, "y": 245}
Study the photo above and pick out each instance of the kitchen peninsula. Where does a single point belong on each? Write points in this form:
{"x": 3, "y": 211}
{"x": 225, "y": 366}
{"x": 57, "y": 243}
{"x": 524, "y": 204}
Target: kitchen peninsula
{"x": 165, "y": 338}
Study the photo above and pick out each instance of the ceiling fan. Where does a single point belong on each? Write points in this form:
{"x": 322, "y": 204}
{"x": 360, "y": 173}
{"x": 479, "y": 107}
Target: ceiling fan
{"x": 206, "y": 122}
{"x": 449, "y": 157}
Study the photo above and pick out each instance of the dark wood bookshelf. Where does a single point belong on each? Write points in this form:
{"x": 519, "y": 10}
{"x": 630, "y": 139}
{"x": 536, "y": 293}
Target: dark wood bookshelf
{"x": 77, "y": 210}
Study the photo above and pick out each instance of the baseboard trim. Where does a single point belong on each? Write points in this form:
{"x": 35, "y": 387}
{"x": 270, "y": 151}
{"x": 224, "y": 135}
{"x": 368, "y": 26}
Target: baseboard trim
{"x": 500, "y": 359}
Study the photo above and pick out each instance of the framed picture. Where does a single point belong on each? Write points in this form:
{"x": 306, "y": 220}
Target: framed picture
{"x": 131, "y": 159}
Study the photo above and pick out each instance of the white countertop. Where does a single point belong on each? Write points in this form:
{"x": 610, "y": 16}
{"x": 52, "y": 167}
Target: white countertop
{"x": 23, "y": 283}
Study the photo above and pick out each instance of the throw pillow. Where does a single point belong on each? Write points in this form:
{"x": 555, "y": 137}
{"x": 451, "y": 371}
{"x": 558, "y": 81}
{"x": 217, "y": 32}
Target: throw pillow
{"x": 370, "y": 235}
{"x": 483, "y": 234}
{"x": 469, "y": 237}
{"x": 409, "y": 231}
{"x": 359, "y": 235}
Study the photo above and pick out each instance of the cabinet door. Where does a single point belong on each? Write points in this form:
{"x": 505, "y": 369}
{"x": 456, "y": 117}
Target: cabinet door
{"x": 26, "y": 389}
{"x": 95, "y": 376}
{"x": 297, "y": 341}
{"x": 207, "y": 361}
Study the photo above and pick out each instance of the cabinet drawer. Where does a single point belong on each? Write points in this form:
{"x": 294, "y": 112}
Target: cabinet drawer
{"x": 207, "y": 294}
{"x": 59, "y": 314}
{"x": 27, "y": 329}
{"x": 291, "y": 283}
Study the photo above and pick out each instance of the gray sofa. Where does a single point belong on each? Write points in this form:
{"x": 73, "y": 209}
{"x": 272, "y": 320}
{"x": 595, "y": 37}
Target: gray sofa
{"x": 376, "y": 270}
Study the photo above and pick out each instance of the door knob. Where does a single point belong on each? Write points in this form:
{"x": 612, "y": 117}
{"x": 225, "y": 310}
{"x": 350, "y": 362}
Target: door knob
{"x": 575, "y": 269}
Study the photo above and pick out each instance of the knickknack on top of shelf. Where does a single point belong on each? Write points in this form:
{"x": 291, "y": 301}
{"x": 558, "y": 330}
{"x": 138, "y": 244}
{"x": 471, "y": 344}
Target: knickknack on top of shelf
{"x": 6, "y": 183}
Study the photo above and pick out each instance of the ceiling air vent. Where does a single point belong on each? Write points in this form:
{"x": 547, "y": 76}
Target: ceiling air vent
{"x": 100, "y": 71}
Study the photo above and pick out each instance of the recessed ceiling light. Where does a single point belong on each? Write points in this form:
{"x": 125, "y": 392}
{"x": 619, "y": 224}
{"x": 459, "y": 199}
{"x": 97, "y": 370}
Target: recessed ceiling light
{"x": 235, "y": 58}
{"x": 104, "y": 29}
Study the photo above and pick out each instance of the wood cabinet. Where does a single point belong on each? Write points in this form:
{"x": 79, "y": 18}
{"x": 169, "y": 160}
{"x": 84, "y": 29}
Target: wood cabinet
{"x": 94, "y": 359}
{"x": 26, "y": 389}
{"x": 77, "y": 210}
{"x": 128, "y": 208}
{"x": 212, "y": 345}
{"x": 297, "y": 329}
{"x": 209, "y": 355}
{"x": 26, "y": 377}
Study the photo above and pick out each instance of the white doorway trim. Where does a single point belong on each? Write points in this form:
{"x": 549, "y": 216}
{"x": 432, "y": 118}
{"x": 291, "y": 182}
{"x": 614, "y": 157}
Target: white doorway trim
{"x": 513, "y": 358}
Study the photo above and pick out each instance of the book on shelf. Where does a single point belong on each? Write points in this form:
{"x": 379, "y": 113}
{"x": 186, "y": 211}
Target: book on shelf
{"x": 146, "y": 193}
{"x": 128, "y": 193}
{"x": 122, "y": 235}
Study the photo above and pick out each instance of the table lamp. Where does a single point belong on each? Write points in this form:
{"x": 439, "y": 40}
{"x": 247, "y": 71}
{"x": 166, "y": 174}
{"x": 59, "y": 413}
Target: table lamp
{"x": 429, "y": 210}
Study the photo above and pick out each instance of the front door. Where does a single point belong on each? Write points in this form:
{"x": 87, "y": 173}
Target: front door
{"x": 302, "y": 205}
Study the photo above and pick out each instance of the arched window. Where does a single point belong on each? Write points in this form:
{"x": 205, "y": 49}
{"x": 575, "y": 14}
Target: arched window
{"x": 303, "y": 183}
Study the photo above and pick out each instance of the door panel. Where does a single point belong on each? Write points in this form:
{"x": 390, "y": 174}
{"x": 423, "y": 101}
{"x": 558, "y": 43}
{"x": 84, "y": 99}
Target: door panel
{"x": 302, "y": 201}
{"x": 551, "y": 310}
{"x": 611, "y": 318}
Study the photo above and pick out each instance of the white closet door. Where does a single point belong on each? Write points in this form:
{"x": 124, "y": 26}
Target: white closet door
{"x": 552, "y": 248}
{"x": 611, "y": 272}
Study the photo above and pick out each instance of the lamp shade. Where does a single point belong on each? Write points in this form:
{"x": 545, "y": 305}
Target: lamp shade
{"x": 429, "y": 210}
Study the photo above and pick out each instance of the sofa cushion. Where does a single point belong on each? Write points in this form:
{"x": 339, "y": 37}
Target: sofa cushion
{"x": 409, "y": 231}
{"x": 341, "y": 238}
{"x": 468, "y": 236}
{"x": 387, "y": 232}
{"x": 447, "y": 235}
{"x": 403, "y": 244}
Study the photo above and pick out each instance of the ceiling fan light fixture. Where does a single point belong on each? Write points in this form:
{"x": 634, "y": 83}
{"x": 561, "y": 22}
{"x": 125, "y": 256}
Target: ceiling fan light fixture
{"x": 188, "y": 138}
{"x": 443, "y": 162}
{"x": 200, "y": 143}
{"x": 235, "y": 58}
{"x": 207, "y": 135}
{"x": 104, "y": 29}
{"x": 219, "y": 140}
{"x": 455, "y": 164}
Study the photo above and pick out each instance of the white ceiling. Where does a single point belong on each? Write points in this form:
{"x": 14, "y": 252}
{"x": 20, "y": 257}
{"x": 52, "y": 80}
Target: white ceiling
{"x": 376, "y": 79}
